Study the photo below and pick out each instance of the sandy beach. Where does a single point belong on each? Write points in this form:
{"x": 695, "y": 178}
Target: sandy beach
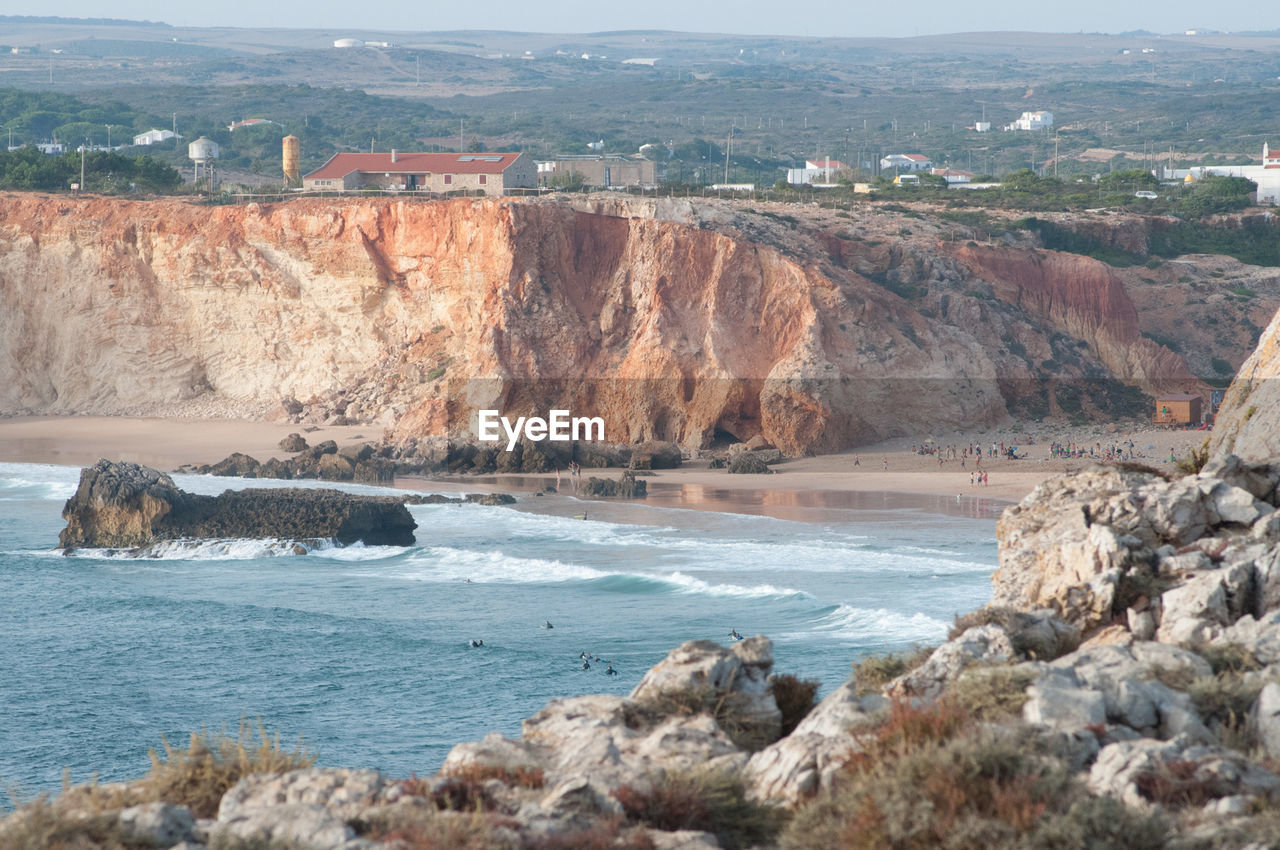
{"x": 892, "y": 467}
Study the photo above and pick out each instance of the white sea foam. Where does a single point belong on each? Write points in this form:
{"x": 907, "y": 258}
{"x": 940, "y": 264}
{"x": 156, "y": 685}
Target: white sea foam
{"x": 848, "y": 622}
{"x": 21, "y": 482}
{"x": 239, "y": 550}
{"x": 690, "y": 584}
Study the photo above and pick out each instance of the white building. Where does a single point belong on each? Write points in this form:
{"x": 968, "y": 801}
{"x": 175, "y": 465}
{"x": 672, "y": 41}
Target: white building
{"x": 906, "y": 162}
{"x": 1267, "y": 175}
{"x": 953, "y": 175}
{"x": 1038, "y": 120}
{"x": 154, "y": 137}
{"x": 816, "y": 172}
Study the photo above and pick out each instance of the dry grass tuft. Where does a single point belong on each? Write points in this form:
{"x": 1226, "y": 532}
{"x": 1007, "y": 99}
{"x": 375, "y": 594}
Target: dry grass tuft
{"x": 605, "y": 835}
{"x": 428, "y": 829}
{"x": 726, "y": 707}
{"x": 991, "y": 693}
{"x": 198, "y": 776}
{"x": 711, "y": 801}
{"x": 795, "y": 698}
{"x": 930, "y": 779}
{"x": 43, "y": 826}
{"x": 517, "y": 777}
{"x": 872, "y": 673}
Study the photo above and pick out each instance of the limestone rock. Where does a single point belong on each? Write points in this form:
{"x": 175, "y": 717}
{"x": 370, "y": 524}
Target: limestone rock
{"x": 302, "y": 825}
{"x": 804, "y": 762}
{"x": 236, "y": 465}
{"x": 988, "y": 643}
{"x": 1265, "y": 718}
{"x": 1122, "y": 767}
{"x": 345, "y": 793}
{"x": 161, "y": 824}
{"x": 1197, "y": 611}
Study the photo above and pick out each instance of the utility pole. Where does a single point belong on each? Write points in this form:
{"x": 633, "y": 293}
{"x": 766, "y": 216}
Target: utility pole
{"x": 727, "y": 149}
{"x": 1055, "y": 155}
{"x": 82, "y": 148}
{"x": 462, "y": 146}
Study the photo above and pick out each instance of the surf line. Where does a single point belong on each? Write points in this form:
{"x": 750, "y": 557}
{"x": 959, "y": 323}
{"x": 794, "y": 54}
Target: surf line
{"x": 560, "y": 427}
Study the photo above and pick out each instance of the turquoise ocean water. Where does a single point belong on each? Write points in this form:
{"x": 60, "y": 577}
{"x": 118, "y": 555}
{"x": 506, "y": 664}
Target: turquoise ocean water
{"x": 364, "y": 651}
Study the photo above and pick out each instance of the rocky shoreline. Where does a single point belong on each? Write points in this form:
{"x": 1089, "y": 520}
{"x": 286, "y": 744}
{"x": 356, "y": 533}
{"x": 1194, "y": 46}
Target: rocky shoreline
{"x": 1122, "y": 689}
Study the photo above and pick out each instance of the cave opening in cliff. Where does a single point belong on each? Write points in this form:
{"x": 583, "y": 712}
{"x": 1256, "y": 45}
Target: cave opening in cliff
{"x": 721, "y": 439}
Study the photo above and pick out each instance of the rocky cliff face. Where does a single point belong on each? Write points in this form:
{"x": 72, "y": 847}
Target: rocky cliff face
{"x": 674, "y": 321}
{"x": 1247, "y": 420}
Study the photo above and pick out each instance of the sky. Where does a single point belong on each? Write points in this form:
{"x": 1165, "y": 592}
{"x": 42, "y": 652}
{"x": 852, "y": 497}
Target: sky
{"x": 748, "y": 17}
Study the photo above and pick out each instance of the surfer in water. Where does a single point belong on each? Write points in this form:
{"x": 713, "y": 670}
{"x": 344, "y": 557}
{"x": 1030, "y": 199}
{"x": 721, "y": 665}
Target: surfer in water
{"x": 733, "y": 633}
{"x": 477, "y": 643}
{"x": 585, "y": 664}
{"x": 611, "y": 671}
{"x": 546, "y": 624}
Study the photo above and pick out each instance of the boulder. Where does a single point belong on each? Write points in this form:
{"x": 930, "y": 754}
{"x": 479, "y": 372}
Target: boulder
{"x": 1265, "y": 719}
{"x": 659, "y": 454}
{"x": 124, "y": 505}
{"x": 1198, "y": 610}
{"x": 159, "y": 824}
{"x": 303, "y": 826}
{"x": 1143, "y": 771}
{"x": 626, "y": 487}
{"x": 748, "y": 463}
{"x": 989, "y": 643}
{"x": 1055, "y": 552}
{"x": 345, "y": 793}
{"x": 357, "y": 452}
{"x": 810, "y": 758}
{"x": 335, "y": 467}
{"x": 293, "y": 443}
{"x": 235, "y": 465}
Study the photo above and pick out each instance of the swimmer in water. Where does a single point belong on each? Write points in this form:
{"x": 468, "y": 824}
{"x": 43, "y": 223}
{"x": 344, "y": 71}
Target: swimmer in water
{"x": 611, "y": 671}
{"x": 547, "y": 624}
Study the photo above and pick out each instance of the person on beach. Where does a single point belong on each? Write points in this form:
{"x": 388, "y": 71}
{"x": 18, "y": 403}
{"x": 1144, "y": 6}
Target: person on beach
{"x": 886, "y": 464}
{"x": 856, "y": 462}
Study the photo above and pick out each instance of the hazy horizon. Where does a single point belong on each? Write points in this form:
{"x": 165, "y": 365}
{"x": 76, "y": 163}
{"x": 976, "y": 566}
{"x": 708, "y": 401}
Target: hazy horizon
{"x": 750, "y": 17}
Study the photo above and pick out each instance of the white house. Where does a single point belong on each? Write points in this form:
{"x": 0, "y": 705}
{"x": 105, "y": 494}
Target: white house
{"x": 1038, "y": 120}
{"x": 1267, "y": 175}
{"x": 154, "y": 137}
{"x": 906, "y": 162}
{"x": 953, "y": 175}
{"x": 817, "y": 172}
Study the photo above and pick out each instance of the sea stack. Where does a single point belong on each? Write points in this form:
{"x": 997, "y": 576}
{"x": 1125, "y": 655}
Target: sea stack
{"x": 125, "y": 505}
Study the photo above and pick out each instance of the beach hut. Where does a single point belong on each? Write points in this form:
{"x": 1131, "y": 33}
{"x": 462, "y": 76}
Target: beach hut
{"x": 1178, "y": 409}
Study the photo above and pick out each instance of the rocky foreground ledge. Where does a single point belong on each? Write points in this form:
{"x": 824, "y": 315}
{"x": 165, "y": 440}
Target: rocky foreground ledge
{"x": 1122, "y": 690}
{"x": 124, "y": 505}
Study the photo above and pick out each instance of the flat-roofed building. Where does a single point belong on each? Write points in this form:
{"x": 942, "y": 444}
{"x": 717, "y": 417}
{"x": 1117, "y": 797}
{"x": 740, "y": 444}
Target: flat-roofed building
{"x": 602, "y": 171}
{"x": 489, "y": 173}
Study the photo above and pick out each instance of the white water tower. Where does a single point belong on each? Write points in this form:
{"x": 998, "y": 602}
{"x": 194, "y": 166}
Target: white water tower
{"x": 204, "y": 153}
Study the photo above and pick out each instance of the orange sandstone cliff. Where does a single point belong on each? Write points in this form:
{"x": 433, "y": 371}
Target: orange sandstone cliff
{"x": 681, "y": 322}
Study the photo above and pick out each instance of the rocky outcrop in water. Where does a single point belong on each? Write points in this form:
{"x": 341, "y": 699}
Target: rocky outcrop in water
{"x": 124, "y": 505}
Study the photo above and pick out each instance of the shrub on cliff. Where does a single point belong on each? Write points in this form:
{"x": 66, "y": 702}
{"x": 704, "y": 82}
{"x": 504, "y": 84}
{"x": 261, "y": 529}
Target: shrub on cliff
{"x": 930, "y": 778}
{"x": 875, "y": 671}
{"x": 795, "y": 699}
{"x": 711, "y": 801}
{"x": 198, "y": 776}
{"x": 41, "y": 825}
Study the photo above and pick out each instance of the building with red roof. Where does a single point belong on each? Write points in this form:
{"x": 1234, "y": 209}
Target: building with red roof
{"x": 488, "y": 173}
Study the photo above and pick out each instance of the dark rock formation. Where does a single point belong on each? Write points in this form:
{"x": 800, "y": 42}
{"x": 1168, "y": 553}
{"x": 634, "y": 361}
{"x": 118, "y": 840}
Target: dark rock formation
{"x": 656, "y": 454}
{"x": 470, "y": 498}
{"x": 627, "y": 487}
{"x": 124, "y": 505}
{"x": 748, "y": 463}
{"x": 293, "y": 443}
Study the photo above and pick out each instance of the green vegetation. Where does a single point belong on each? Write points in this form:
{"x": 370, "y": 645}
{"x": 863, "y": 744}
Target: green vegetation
{"x": 107, "y": 173}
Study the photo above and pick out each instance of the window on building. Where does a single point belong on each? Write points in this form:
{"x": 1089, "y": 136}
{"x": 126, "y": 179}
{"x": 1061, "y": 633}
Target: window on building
{"x": 448, "y": 178}
{"x": 484, "y": 178}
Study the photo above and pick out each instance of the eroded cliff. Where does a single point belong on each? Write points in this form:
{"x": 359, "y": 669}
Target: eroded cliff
{"x": 675, "y": 321}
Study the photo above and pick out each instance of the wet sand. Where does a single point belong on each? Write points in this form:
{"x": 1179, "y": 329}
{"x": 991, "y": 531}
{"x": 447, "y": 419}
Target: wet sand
{"x": 802, "y": 488}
